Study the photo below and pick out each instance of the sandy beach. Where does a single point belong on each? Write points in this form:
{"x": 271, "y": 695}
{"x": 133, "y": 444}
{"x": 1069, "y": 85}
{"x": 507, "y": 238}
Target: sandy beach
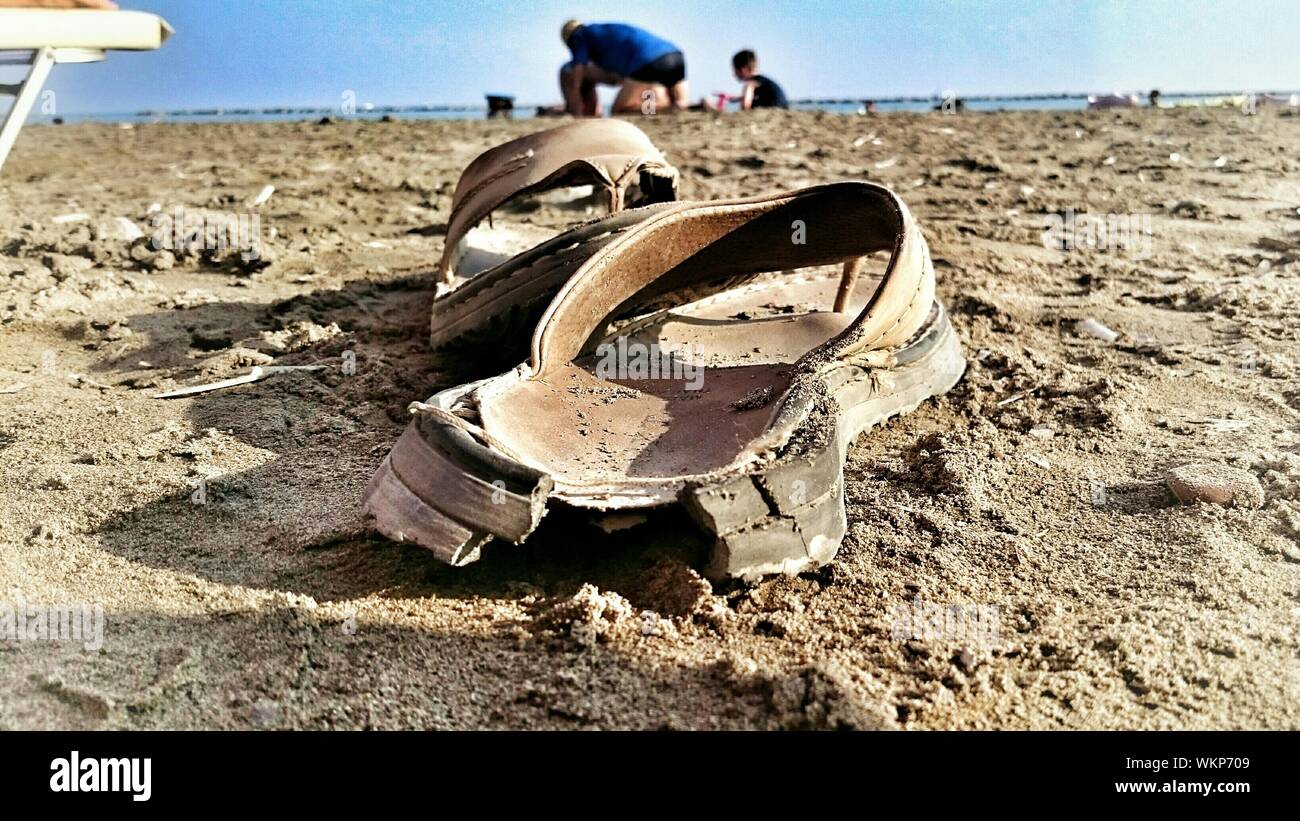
{"x": 241, "y": 588}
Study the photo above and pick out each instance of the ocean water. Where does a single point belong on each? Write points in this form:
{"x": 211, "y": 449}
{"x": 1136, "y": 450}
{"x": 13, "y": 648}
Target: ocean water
{"x": 846, "y": 107}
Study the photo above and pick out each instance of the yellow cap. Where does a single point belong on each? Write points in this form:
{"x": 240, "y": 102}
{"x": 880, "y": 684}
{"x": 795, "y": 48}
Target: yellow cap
{"x": 567, "y": 30}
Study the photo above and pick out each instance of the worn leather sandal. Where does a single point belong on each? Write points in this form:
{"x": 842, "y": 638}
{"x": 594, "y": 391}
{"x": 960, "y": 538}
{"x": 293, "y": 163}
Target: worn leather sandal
{"x": 492, "y": 280}
{"x": 613, "y": 156}
{"x": 740, "y": 405}
{"x": 483, "y": 326}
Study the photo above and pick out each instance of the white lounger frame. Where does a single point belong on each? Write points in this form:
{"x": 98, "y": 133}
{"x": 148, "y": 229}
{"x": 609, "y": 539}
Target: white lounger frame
{"x": 40, "y": 60}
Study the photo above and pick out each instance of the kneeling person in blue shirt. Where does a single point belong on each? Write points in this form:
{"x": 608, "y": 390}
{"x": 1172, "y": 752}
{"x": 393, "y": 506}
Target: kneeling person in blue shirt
{"x": 618, "y": 54}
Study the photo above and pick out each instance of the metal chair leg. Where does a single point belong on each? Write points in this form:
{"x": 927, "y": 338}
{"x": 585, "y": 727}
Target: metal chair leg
{"x": 42, "y": 61}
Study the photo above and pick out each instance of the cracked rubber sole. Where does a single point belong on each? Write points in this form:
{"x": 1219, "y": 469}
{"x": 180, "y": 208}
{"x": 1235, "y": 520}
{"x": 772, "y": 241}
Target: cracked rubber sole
{"x": 440, "y": 486}
{"x": 437, "y": 480}
{"x": 789, "y": 516}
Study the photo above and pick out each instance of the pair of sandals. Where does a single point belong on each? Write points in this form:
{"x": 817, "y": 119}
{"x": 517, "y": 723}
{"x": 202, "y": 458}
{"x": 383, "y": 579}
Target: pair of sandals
{"x": 719, "y": 355}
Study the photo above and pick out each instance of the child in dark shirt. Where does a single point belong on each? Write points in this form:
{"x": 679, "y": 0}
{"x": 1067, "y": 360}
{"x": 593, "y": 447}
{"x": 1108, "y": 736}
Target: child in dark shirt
{"x": 758, "y": 91}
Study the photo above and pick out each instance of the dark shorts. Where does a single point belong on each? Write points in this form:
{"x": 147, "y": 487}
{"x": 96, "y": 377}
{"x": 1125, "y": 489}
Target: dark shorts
{"x": 668, "y": 70}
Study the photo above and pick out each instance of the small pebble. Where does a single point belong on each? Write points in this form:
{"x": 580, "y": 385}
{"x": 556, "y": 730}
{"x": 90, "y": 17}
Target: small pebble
{"x": 59, "y": 481}
{"x": 1216, "y": 484}
{"x": 127, "y": 231}
{"x": 1093, "y": 328}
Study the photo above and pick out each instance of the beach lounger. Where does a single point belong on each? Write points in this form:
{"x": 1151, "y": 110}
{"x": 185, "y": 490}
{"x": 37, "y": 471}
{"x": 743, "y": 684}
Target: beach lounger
{"x": 39, "y": 38}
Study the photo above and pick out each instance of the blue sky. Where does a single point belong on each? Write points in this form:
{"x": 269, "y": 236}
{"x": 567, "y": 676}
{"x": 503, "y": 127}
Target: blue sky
{"x": 251, "y": 53}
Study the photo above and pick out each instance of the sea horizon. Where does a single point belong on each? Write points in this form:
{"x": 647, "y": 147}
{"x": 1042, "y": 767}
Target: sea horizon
{"x": 1048, "y": 101}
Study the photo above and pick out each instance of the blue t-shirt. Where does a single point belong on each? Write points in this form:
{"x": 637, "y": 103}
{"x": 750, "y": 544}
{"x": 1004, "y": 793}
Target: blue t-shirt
{"x": 616, "y": 47}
